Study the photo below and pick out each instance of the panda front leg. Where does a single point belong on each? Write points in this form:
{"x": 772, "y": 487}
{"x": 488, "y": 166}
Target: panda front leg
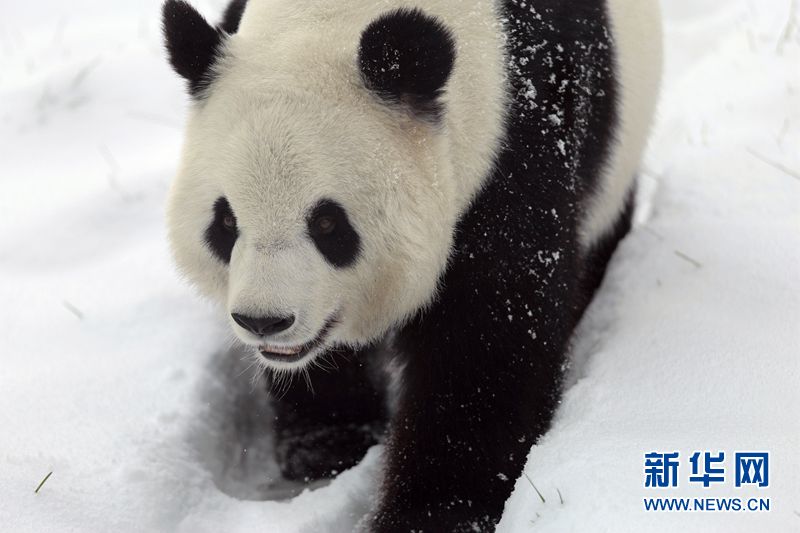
{"x": 325, "y": 424}
{"x": 478, "y": 390}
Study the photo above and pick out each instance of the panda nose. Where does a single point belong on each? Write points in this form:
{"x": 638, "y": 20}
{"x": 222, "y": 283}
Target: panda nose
{"x": 265, "y": 325}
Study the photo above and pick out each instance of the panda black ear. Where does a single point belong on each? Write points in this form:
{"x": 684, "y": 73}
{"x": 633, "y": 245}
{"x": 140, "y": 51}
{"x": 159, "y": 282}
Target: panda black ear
{"x": 192, "y": 43}
{"x": 406, "y": 57}
{"x": 233, "y": 16}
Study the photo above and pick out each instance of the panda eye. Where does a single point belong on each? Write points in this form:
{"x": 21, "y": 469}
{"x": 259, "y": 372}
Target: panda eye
{"x": 222, "y": 232}
{"x": 230, "y": 223}
{"x": 334, "y": 236}
{"x": 325, "y": 225}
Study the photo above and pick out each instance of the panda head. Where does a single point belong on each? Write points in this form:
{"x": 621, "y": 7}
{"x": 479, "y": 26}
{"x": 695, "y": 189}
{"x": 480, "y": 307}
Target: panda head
{"x": 314, "y": 198}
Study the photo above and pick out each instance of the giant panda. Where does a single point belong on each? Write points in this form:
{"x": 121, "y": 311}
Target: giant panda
{"x": 410, "y": 203}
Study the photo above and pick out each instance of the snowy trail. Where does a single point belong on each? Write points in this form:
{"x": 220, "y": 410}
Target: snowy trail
{"x": 114, "y": 376}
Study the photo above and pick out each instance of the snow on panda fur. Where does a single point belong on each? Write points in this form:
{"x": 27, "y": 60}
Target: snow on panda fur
{"x": 418, "y": 186}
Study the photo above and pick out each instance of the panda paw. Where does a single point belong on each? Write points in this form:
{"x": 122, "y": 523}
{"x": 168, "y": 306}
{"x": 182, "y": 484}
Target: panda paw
{"x": 322, "y": 452}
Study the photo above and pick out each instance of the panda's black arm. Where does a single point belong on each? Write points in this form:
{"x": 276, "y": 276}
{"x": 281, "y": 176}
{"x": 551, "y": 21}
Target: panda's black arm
{"x": 324, "y": 425}
{"x": 482, "y": 380}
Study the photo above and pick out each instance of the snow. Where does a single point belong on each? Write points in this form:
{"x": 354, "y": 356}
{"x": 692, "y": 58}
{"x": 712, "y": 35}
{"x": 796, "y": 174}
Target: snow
{"x": 116, "y": 378}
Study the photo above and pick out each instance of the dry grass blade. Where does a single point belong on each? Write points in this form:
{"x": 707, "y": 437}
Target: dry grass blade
{"x": 688, "y": 259}
{"x": 42, "y": 483}
{"x": 534, "y": 487}
{"x": 774, "y": 164}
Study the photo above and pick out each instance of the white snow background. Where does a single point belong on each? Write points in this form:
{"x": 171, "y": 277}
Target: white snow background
{"x": 119, "y": 380}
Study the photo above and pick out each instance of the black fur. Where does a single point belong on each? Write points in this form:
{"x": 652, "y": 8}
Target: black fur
{"x": 192, "y": 43}
{"x": 323, "y": 431}
{"x": 220, "y": 238}
{"x": 342, "y": 245}
{"x": 485, "y": 361}
{"x": 233, "y": 16}
{"x": 599, "y": 255}
{"x": 406, "y": 57}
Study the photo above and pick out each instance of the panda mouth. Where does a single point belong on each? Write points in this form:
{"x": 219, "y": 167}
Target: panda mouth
{"x": 293, "y": 354}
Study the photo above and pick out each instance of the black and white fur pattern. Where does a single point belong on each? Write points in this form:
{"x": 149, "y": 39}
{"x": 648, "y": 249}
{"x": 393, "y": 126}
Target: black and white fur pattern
{"x": 422, "y": 183}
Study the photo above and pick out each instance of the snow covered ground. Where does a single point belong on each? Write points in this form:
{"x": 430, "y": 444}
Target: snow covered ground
{"x": 116, "y": 378}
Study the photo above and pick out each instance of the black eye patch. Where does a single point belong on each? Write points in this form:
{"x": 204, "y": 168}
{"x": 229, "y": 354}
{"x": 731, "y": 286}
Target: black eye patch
{"x": 333, "y": 235}
{"x": 223, "y": 231}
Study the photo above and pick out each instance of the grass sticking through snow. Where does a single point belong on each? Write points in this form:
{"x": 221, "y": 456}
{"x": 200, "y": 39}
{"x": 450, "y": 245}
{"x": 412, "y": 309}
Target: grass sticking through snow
{"x": 534, "y": 487}
{"x": 42, "y": 483}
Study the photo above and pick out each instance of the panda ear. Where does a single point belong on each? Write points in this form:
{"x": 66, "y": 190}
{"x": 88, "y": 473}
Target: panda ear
{"x": 406, "y": 57}
{"x": 233, "y": 16}
{"x": 192, "y": 44}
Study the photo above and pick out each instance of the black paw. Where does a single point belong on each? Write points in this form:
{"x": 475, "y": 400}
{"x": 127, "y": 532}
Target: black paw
{"x": 324, "y": 451}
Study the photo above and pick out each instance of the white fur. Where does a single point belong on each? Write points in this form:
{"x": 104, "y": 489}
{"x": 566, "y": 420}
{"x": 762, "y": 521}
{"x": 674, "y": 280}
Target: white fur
{"x": 289, "y": 122}
{"x": 636, "y": 29}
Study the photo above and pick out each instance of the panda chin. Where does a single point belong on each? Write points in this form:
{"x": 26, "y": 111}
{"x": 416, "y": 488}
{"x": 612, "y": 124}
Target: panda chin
{"x": 292, "y": 355}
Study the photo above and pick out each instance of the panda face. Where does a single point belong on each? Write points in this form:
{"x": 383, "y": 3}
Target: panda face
{"x": 315, "y": 200}
{"x": 316, "y": 224}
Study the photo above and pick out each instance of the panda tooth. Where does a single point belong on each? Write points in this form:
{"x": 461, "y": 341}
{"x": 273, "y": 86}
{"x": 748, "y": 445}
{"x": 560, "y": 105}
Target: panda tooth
{"x": 280, "y": 350}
